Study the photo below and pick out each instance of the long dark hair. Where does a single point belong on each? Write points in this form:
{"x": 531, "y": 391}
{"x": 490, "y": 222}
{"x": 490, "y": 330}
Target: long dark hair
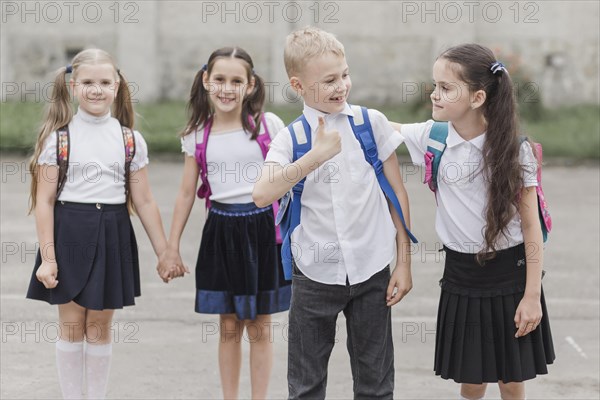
{"x": 501, "y": 166}
{"x": 199, "y": 106}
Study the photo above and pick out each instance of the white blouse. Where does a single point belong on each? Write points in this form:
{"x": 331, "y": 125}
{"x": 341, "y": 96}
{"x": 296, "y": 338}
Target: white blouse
{"x": 462, "y": 189}
{"x": 234, "y": 161}
{"x": 96, "y": 171}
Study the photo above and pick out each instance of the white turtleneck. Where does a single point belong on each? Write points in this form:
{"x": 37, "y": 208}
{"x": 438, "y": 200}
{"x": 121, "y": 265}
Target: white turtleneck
{"x": 96, "y": 171}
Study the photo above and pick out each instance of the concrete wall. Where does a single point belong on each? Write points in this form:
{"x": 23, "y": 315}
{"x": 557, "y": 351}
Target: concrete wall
{"x": 390, "y": 45}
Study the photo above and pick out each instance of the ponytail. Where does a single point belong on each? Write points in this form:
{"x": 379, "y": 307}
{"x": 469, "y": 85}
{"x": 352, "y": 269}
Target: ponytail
{"x": 198, "y": 106}
{"x": 252, "y": 106}
{"x": 123, "y": 108}
{"x": 57, "y": 114}
{"x": 501, "y": 159}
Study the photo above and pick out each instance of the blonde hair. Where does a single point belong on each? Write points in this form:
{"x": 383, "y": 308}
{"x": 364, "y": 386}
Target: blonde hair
{"x": 59, "y": 110}
{"x": 307, "y": 43}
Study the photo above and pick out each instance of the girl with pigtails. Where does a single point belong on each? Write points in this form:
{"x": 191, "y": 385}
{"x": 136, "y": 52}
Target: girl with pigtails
{"x": 238, "y": 272}
{"x": 88, "y": 174}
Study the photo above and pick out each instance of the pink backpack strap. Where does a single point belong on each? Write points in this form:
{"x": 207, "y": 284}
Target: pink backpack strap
{"x": 543, "y": 205}
{"x": 204, "y": 191}
{"x": 264, "y": 140}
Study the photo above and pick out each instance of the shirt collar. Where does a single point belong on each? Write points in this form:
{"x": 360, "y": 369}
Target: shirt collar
{"x": 312, "y": 115}
{"x": 455, "y": 139}
{"x": 92, "y": 119}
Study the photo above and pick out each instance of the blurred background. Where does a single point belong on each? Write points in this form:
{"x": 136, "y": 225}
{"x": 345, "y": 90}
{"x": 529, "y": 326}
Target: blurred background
{"x": 551, "y": 49}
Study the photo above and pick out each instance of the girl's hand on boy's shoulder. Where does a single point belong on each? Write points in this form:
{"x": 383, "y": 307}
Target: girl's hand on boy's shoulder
{"x": 47, "y": 274}
{"x": 400, "y": 284}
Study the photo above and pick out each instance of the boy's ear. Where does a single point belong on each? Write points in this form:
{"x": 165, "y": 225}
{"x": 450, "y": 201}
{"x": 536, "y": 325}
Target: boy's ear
{"x": 477, "y": 99}
{"x": 296, "y": 84}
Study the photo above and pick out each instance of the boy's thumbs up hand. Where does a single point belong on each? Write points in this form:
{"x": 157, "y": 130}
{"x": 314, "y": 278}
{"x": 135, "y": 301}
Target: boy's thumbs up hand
{"x": 327, "y": 143}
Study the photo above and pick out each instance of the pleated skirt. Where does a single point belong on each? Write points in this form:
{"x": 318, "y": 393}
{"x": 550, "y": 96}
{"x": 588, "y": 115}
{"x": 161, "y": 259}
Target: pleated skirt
{"x": 475, "y": 336}
{"x": 239, "y": 269}
{"x": 97, "y": 257}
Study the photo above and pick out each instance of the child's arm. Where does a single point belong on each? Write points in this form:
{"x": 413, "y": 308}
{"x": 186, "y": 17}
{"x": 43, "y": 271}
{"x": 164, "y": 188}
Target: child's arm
{"x": 275, "y": 180}
{"x": 529, "y": 311}
{"x": 401, "y": 279}
{"x": 181, "y": 212}
{"x": 147, "y": 210}
{"x": 44, "y": 221}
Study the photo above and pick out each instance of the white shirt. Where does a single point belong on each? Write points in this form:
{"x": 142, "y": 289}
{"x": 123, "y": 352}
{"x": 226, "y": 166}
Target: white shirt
{"x": 345, "y": 225}
{"x": 234, "y": 161}
{"x": 96, "y": 171}
{"x": 462, "y": 190}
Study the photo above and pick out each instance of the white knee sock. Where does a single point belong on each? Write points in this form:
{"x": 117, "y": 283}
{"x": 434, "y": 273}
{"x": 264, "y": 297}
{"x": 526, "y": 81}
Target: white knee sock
{"x": 69, "y": 361}
{"x": 464, "y": 398}
{"x": 97, "y": 367}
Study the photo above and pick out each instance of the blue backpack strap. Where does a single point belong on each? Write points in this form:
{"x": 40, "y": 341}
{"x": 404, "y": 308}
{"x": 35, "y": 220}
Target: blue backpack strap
{"x": 436, "y": 145}
{"x": 301, "y": 140}
{"x": 361, "y": 126}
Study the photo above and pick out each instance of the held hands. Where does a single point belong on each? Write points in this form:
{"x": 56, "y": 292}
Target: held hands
{"x": 327, "y": 144}
{"x": 528, "y": 315}
{"x": 170, "y": 265}
{"x": 47, "y": 273}
{"x": 400, "y": 284}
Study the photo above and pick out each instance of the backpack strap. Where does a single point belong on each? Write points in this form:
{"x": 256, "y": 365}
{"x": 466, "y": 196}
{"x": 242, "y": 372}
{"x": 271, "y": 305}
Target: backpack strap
{"x": 62, "y": 156}
{"x": 129, "y": 144}
{"x": 204, "y": 191}
{"x": 63, "y": 151}
{"x": 361, "y": 126}
{"x": 543, "y": 210}
{"x": 264, "y": 140}
{"x": 292, "y": 201}
{"x": 436, "y": 145}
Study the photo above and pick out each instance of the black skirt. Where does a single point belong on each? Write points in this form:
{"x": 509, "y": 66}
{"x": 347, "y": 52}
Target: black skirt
{"x": 97, "y": 257}
{"x": 475, "y": 337}
{"x": 239, "y": 268}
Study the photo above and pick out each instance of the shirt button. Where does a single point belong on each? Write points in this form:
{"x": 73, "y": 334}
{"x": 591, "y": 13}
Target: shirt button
{"x": 98, "y": 206}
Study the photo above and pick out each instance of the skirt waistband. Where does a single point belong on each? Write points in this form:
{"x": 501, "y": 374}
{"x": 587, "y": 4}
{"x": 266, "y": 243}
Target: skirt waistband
{"x": 90, "y": 206}
{"x": 235, "y": 210}
{"x": 506, "y": 269}
{"x": 503, "y": 256}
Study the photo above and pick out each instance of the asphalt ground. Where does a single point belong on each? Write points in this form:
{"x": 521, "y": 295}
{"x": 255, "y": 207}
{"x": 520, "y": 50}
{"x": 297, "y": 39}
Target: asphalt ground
{"x": 163, "y": 349}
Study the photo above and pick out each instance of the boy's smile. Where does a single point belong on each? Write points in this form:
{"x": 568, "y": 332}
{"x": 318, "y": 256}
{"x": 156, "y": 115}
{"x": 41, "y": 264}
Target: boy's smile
{"x": 325, "y": 83}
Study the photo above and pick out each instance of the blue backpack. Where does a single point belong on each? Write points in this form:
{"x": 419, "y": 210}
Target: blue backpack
{"x": 436, "y": 145}
{"x": 288, "y": 217}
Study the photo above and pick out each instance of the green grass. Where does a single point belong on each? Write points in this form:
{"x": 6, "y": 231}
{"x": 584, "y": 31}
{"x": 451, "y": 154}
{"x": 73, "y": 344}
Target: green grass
{"x": 570, "y": 132}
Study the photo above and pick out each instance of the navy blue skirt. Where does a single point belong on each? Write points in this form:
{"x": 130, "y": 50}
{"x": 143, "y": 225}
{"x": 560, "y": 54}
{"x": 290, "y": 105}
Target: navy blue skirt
{"x": 239, "y": 268}
{"x": 475, "y": 336}
{"x": 97, "y": 257}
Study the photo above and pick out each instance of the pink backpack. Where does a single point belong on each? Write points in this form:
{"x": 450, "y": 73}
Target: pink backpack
{"x": 204, "y": 192}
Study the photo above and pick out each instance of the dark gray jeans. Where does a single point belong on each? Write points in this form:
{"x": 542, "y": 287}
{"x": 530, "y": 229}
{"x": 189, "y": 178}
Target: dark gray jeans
{"x": 313, "y": 314}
